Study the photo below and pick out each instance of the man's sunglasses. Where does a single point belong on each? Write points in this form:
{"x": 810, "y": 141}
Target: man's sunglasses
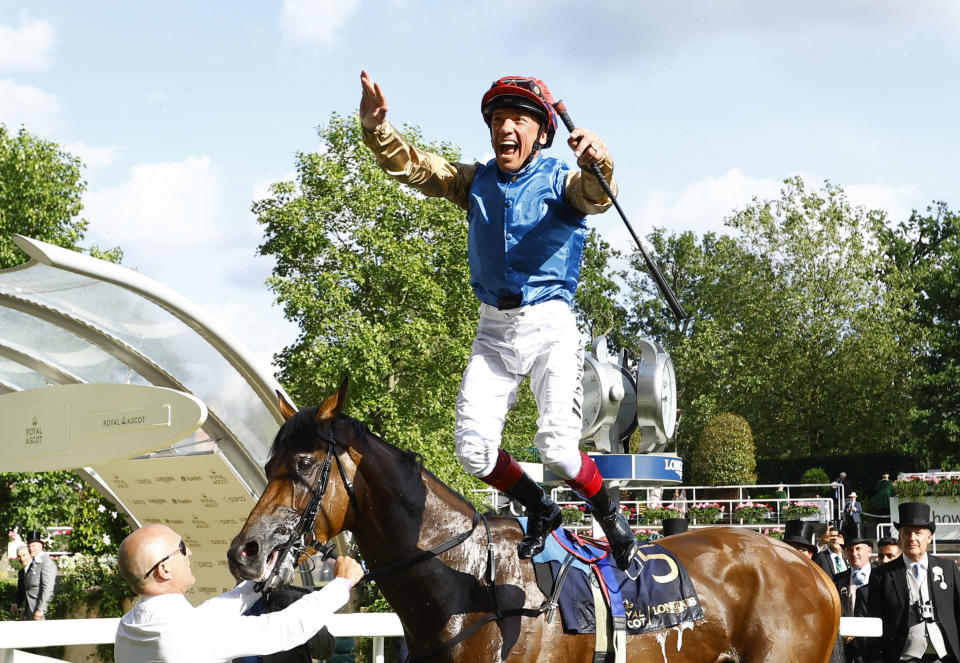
{"x": 182, "y": 549}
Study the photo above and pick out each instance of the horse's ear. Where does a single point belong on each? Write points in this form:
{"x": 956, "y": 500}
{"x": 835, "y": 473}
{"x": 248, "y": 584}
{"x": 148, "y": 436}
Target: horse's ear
{"x": 286, "y": 409}
{"x": 334, "y": 404}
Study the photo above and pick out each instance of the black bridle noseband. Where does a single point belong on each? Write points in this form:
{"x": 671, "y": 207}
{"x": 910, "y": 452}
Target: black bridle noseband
{"x": 297, "y": 543}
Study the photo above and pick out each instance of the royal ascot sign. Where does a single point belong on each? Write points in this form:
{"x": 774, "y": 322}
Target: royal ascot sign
{"x": 77, "y": 425}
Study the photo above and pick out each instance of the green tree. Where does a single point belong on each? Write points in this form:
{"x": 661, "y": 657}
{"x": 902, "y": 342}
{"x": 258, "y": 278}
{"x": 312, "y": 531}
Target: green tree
{"x": 791, "y": 326}
{"x": 40, "y": 194}
{"x": 924, "y": 254}
{"x": 725, "y": 455}
{"x": 40, "y": 197}
{"x": 376, "y": 277}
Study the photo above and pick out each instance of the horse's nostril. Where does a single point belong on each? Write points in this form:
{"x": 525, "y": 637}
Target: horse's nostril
{"x": 250, "y": 550}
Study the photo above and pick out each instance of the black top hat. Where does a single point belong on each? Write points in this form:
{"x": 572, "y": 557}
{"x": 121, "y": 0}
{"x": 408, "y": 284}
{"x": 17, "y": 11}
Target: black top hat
{"x": 674, "y": 526}
{"x": 33, "y": 536}
{"x": 854, "y": 533}
{"x": 800, "y": 533}
{"x": 915, "y": 514}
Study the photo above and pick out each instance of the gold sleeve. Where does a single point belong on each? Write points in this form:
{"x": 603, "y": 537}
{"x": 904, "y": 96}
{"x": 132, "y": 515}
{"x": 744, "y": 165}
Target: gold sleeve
{"x": 583, "y": 191}
{"x": 427, "y": 172}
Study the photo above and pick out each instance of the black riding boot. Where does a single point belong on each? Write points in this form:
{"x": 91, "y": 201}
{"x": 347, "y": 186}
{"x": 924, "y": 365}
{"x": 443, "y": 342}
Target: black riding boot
{"x": 543, "y": 515}
{"x": 621, "y": 538}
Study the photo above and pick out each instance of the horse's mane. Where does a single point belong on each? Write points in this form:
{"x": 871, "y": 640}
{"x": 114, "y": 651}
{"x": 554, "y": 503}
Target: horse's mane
{"x": 298, "y": 435}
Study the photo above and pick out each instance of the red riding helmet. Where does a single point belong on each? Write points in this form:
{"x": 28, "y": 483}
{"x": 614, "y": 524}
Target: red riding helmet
{"x": 529, "y": 94}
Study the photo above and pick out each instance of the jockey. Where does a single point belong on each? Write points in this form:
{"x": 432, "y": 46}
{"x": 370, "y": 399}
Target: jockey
{"x": 527, "y": 227}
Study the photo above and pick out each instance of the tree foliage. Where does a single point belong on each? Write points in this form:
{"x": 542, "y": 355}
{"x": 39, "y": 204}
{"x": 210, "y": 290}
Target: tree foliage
{"x": 791, "y": 326}
{"x": 376, "y": 277}
{"x": 40, "y": 193}
{"x": 924, "y": 254}
{"x": 725, "y": 454}
{"x": 40, "y": 197}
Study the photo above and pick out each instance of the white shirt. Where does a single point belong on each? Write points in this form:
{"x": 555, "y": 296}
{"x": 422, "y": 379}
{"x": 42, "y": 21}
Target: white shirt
{"x": 168, "y": 629}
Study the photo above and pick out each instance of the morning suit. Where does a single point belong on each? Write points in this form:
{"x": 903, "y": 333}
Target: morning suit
{"x": 855, "y": 650}
{"x": 889, "y": 600}
{"x": 38, "y": 583}
{"x": 827, "y": 560}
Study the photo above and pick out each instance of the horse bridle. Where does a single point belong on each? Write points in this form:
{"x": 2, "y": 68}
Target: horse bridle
{"x": 297, "y": 542}
{"x": 308, "y": 519}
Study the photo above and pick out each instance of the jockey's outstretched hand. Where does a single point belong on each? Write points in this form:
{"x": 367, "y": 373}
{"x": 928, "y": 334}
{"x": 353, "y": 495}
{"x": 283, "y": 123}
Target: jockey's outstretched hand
{"x": 587, "y": 146}
{"x": 349, "y": 568}
{"x": 373, "y": 105}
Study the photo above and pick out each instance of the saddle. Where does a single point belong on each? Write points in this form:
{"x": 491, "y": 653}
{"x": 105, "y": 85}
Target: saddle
{"x": 594, "y": 596}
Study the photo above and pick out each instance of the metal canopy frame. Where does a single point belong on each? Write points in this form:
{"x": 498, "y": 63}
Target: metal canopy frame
{"x": 67, "y": 318}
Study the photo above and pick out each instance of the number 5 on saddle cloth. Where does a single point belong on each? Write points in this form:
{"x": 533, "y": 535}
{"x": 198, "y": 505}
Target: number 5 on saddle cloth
{"x": 654, "y": 593}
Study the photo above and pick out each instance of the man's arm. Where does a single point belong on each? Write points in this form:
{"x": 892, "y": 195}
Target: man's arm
{"x": 583, "y": 191}
{"x": 48, "y": 576}
{"x": 430, "y": 173}
{"x": 427, "y": 172}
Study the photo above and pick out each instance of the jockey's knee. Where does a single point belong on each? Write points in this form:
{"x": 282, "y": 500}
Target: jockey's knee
{"x": 565, "y": 462}
{"x": 476, "y": 456}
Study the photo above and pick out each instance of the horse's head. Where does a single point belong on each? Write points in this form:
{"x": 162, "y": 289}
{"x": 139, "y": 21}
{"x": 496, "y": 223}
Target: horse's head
{"x": 303, "y": 463}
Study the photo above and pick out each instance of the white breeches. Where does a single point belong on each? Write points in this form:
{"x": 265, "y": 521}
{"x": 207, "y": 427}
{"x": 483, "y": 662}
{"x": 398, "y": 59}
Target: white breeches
{"x": 541, "y": 341}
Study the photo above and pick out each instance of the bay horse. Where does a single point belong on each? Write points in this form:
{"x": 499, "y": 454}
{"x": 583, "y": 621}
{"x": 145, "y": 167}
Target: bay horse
{"x": 761, "y": 599}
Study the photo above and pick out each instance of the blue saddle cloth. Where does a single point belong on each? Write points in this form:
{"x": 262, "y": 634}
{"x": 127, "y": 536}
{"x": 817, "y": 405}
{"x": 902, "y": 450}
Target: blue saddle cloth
{"x": 654, "y": 593}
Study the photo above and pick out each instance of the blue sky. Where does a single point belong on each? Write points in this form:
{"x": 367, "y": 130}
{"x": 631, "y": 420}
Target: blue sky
{"x": 184, "y": 112}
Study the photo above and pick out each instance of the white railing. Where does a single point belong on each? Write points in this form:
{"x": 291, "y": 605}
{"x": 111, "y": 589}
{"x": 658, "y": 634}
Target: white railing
{"x": 54, "y": 632}
{"x": 376, "y": 625}
{"x": 687, "y": 496}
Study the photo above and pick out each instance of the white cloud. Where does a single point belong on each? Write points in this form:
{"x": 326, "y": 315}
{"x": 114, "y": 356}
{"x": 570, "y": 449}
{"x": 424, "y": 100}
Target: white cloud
{"x": 703, "y": 206}
{"x": 897, "y": 202}
{"x": 261, "y": 190}
{"x": 315, "y": 21}
{"x": 700, "y": 207}
{"x": 28, "y": 105}
{"x": 162, "y": 205}
{"x": 94, "y": 157}
{"x": 27, "y": 47}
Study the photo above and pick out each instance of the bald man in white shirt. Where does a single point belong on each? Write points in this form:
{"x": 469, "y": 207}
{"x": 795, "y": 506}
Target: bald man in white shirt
{"x": 163, "y": 627}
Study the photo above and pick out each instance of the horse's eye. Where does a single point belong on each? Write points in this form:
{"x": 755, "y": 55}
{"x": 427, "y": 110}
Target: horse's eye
{"x": 303, "y": 463}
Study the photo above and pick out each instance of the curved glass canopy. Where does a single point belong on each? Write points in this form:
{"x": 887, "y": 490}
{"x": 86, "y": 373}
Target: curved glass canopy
{"x": 67, "y": 318}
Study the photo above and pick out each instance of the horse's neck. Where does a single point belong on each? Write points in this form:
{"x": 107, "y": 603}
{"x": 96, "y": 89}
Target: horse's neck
{"x": 408, "y": 509}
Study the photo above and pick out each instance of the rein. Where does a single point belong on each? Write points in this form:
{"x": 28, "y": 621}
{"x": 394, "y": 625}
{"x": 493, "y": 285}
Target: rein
{"x": 298, "y": 543}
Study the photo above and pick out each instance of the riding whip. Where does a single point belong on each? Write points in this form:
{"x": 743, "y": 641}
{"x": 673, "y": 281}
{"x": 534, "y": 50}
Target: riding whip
{"x": 665, "y": 290}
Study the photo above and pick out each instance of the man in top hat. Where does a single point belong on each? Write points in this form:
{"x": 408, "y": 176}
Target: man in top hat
{"x": 852, "y": 585}
{"x": 800, "y": 535}
{"x": 41, "y": 573}
{"x": 916, "y": 596}
{"x": 674, "y": 526}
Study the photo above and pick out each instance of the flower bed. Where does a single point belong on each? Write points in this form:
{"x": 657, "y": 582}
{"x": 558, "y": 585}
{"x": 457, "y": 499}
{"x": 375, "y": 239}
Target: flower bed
{"x": 705, "y": 512}
{"x": 915, "y": 488}
{"x": 798, "y": 510}
{"x": 751, "y": 513}
{"x": 656, "y": 515}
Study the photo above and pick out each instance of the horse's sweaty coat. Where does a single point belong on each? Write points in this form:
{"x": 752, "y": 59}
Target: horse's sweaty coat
{"x": 762, "y": 600}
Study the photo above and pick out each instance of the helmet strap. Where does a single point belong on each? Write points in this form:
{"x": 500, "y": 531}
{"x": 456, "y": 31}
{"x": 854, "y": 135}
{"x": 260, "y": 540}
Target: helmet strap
{"x": 537, "y": 145}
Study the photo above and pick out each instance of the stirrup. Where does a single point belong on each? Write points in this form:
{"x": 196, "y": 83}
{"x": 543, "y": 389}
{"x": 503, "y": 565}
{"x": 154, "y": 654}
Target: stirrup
{"x": 539, "y": 526}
